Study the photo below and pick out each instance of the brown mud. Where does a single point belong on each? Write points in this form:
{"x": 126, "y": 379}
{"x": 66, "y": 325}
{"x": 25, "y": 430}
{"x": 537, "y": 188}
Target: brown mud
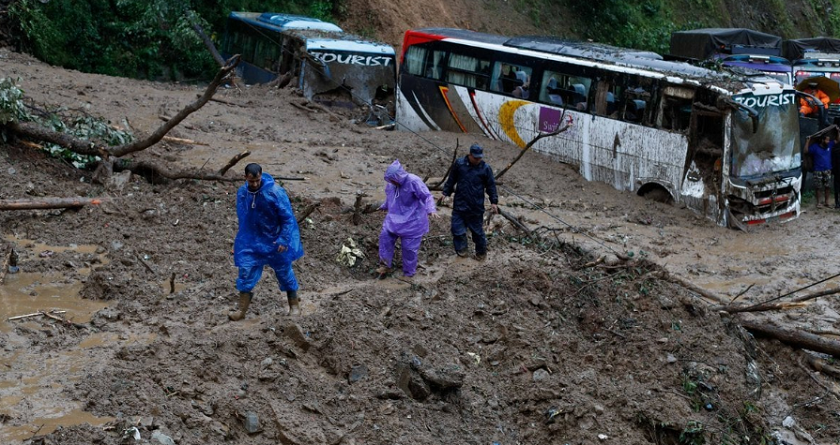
{"x": 527, "y": 347}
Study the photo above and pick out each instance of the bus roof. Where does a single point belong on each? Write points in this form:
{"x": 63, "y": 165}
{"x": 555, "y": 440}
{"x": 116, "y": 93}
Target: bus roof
{"x": 316, "y": 33}
{"x": 596, "y": 52}
{"x": 286, "y": 22}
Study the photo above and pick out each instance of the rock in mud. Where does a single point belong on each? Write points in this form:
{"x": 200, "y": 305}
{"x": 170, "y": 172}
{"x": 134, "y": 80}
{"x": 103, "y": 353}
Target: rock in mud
{"x": 357, "y": 373}
{"x": 251, "y": 423}
{"x": 163, "y": 439}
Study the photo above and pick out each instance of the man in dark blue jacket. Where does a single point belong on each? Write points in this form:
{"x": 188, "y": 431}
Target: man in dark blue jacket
{"x": 470, "y": 178}
{"x": 268, "y": 235}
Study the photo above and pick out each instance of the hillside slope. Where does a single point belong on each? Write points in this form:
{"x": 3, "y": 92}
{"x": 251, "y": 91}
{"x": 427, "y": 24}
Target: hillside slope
{"x": 609, "y": 22}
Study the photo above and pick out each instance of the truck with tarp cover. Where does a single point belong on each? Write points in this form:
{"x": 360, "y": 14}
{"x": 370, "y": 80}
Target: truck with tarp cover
{"x": 733, "y": 47}
{"x": 324, "y": 59}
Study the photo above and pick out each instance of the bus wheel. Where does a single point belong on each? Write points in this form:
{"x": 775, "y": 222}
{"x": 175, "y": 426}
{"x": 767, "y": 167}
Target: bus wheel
{"x": 656, "y": 193}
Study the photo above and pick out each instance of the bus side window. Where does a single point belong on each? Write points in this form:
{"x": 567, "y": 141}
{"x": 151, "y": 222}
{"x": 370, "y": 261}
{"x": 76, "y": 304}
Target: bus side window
{"x": 676, "y": 113}
{"x": 415, "y": 59}
{"x": 467, "y": 71}
{"x": 634, "y": 110}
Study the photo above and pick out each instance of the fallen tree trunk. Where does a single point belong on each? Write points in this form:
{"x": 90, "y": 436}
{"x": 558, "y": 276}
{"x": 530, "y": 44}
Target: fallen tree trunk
{"x": 773, "y": 306}
{"x": 30, "y": 130}
{"x": 205, "y": 39}
{"x": 144, "y": 168}
{"x": 516, "y": 222}
{"x": 799, "y": 339}
{"x": 48, "y": 203}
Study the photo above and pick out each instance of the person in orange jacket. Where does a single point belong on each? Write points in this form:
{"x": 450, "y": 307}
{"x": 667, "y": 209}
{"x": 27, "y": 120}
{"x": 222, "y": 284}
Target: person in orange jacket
{"x": 806, "y": 108}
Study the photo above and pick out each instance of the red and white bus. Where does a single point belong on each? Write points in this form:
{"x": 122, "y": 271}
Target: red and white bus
{"x": 723, "y": 145}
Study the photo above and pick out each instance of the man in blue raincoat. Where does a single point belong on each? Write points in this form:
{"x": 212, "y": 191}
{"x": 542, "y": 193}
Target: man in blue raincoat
{"x": 409, "y": 204}
{"x": 470, "y": 178}
{"x": 268, "y": 235}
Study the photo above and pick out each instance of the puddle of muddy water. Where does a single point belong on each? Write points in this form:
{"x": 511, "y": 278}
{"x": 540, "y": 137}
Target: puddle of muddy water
{"x": 32, "y": 381}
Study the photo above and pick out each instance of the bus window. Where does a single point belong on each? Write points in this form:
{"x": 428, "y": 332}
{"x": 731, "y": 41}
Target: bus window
{"x": 267, "y": 55}
{"x": 635, "y": 104}
{"x": 563, "y": 89}
{"x": 511, "y": 79}
{"x": 421, "y": 62}
{"x": 467, "y": 71}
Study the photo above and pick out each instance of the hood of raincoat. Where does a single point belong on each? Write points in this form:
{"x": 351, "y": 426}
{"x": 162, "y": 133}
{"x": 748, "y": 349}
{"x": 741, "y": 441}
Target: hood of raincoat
{"x": 408, "y": 203}
{"x": 396, "y": 173}
{"x": 266, "y": 221}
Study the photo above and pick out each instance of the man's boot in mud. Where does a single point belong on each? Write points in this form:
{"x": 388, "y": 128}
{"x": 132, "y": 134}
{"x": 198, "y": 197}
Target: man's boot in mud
{"x": 294, "y": 303}
{"x": 244, "y": 302}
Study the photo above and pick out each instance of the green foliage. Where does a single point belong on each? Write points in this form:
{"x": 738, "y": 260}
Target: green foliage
{"x": 692, "y": 434}
{"x": 11, "y": 102}
{"x": 142, "y": 39}
{"x": 12, "y": 109}
{"x": 643, "y": 25}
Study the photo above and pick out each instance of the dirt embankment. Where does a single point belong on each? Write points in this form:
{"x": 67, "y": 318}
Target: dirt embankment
{"x": 530, "y": 346}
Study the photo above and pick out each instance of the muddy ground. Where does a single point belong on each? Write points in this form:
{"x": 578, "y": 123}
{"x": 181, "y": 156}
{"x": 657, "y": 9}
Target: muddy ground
{"x": 532, "y": 346}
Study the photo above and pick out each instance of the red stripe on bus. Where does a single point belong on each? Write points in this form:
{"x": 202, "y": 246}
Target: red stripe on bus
{"x": 481, "y": 117}
{"x": 443, "y": 91}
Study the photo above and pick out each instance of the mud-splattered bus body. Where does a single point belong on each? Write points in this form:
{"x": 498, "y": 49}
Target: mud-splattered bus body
{"x": 724, "y": 146}
{"x": 324, "y": 58}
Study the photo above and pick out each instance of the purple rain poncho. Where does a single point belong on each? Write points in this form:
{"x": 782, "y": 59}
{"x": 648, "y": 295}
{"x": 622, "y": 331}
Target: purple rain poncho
{"x": 408, "y": 204}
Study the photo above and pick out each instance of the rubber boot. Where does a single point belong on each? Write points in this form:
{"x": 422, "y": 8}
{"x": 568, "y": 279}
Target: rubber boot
{"x": 244, "y": 302}
{"x": 294, "y": 303}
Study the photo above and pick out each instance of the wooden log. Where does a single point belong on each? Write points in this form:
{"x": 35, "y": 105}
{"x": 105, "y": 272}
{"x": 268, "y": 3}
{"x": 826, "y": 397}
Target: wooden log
{"x": 183, "y": 141}
{"x": 799, "y": 339}
{"x": 48, "y": 203}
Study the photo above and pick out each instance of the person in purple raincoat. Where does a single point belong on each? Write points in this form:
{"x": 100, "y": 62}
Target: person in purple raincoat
{"x": 409, "y": 205}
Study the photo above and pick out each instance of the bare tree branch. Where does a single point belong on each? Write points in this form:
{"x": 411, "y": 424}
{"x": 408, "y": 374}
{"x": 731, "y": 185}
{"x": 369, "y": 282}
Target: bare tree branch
{"x": 528, "y": 147}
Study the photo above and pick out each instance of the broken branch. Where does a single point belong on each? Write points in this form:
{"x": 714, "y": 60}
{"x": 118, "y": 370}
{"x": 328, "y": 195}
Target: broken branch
{"x": 48, "y": 203}
{"x": 183, "y": 141}
{"x": 233, "y": 162}
{"x": 307, "y": 210}
{"x": 439, "y": 185}
{"x": 34, "y": 314}
{"x": 516, "y": 222}
{"x": 528, "y": 147}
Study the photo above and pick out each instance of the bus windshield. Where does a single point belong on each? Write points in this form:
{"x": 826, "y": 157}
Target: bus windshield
{"x": 768, "y": 143}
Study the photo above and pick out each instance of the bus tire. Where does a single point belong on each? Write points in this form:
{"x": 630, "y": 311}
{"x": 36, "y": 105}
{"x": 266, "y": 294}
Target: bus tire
{"x": 657, "y": 194}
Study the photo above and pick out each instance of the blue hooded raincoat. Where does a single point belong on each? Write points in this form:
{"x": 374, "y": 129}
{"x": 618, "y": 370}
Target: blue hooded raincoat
{"x": 266, "y": 221}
